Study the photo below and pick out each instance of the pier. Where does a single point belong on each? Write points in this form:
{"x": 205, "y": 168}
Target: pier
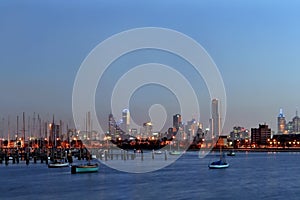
{"x": 28, "y": 155}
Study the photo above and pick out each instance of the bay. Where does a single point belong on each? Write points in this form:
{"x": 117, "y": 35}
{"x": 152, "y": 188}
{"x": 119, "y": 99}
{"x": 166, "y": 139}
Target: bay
{"x": 251, "y": 175}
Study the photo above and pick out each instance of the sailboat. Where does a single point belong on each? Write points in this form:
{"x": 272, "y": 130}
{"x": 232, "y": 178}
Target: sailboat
{"x": 220, "y": 164}
{"x": 87, "y": 167}
{"x": 57, "y": 162}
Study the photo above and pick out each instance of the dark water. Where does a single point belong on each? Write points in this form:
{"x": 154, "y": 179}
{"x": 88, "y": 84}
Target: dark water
{"x": 250, "y": 176}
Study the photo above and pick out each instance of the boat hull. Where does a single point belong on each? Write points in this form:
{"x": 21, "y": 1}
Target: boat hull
{"x": 231, "y": 154}
{"x": 211, "y": 166}
{"x": 58, "y": 165}
{"x": 157, "y": 152}
{"x": 84, "y": 169}
{"x": 175, "y": 153}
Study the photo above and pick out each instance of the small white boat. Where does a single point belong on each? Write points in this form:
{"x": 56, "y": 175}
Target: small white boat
{"x": 158, "y": 152}
{"x": 231, "y": 153}
{"x": 58, "y": 163}
{"x": 220, "y": 164}
{"x": 175, "y": 153}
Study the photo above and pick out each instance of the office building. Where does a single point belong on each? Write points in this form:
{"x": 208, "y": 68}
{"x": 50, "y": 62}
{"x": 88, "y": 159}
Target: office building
{"x": 260, "y": 136}
{"x": 215, "y": 121}
{"x": 281, "y": 123}
{"x": 177, "y": 121}
{"x": 125, "y": 121}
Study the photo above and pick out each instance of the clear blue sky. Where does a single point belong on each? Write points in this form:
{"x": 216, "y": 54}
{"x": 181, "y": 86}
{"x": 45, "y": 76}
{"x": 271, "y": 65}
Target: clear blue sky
{"x": 255, "y": 45}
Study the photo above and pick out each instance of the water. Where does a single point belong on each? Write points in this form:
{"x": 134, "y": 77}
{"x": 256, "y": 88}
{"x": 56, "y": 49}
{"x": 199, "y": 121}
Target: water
{"x": 250, "y": 176}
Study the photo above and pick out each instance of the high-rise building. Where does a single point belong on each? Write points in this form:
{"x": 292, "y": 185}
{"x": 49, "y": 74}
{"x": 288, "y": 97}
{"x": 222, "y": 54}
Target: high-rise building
{"x": 111, "y": 125}
{"x": 191, "y": 128}
{"x": 296, "y": 124}
{"x": 125, "y": 120}
{"x": 259, "y": 136}
{"x": 177, "y": 121}
{"x": 281, "y": 123}
{"x": 134, "y": 132}
{"x": 215, "y": 120}
{"x": 147, "y": 129}
{"x": 289, "y": 127}
{"x": 239, "y": 133}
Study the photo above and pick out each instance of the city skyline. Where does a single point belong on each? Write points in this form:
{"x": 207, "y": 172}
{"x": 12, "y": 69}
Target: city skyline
{"x": 254, "y": 44}
{"x": 36, "y": 125}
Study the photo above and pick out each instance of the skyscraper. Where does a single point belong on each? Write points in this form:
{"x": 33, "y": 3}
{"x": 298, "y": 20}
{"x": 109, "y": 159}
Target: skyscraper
{"x": 111, "y": 125}
{"x": 215, "y": 120}
{"x": 296, "y": 124}
{"x": 177, "y": 121}
{"x": 281, "y": 123}
{"x": 125, "y": 120}
{"x": 147, "y": 130}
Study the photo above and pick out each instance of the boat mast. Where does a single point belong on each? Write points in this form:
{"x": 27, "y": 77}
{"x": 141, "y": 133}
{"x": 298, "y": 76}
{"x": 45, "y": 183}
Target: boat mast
{"x": 33, "y": 126}
{"x": 8, "y": 131}
{"x": 17, "y": 134}
{"x": 23, "y": 129}
{"x": 40, "y": 130}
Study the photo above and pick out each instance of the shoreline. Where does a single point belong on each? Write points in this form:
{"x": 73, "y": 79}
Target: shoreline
{"x": 252, "y": 149}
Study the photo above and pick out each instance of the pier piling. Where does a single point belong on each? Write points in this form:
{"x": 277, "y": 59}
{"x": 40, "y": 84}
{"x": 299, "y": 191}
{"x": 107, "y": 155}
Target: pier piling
{"x": 166, "y": 158}
{"x": 105, "y": 155}
{"x": 46, "y": 159}
{"x": 6, "y": 159}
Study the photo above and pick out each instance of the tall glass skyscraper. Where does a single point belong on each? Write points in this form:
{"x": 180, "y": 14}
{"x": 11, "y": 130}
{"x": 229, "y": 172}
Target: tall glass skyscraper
{"x": 111, "y": 124}
{"x": 296, "y": 124}
{"x": 215, "y": 120}
{"x": 281, "y": 123}
{"x": 125, "y": 120}
{"x": 177, "y": 121}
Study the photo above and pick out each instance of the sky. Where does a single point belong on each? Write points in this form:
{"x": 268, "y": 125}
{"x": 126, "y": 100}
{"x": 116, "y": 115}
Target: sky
{"x": 255, "y": 45}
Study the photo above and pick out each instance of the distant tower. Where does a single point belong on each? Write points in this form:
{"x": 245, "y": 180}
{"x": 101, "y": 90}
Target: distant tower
{"x": 126, "y": 120}
{"x": 177, "y": 121}
{"x": 215, "y": 119}
{"x": 281, "y": 123}
{"x": 296, "y": 123}
{"x": 147, "y": 132}
{"x": 111, "y": 125}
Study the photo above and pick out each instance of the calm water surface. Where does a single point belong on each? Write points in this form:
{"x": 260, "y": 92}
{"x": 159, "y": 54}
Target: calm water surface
{"x": 250, "y": 176}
